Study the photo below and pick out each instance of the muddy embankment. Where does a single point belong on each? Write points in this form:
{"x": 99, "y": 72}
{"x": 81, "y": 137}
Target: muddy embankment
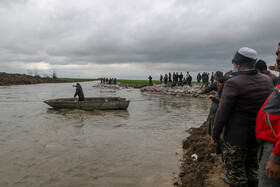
{"x": 7, "y": 79}
{"x": 130, "y": 85}
{"x": 204, "y": 171}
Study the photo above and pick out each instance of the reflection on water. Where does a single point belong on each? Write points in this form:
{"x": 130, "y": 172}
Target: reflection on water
{"x": 134, "y": 147}
{"x": 72, "y": 113}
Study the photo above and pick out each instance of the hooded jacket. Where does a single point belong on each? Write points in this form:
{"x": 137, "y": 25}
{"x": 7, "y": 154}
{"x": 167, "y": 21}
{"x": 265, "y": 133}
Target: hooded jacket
{"x": 268, "y": 123}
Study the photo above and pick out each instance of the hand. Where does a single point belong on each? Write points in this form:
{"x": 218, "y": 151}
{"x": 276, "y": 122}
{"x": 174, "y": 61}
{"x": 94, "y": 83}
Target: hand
{"x": 274, "y": 68}
{"x": 272, "y": 170}
{"x": 213, "y": 92}
{"x": 213, "y": 142}
{"x": 211, "y": 97}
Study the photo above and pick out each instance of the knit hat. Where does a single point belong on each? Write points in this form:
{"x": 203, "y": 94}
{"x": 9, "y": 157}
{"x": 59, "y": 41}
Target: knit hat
{"x": 245, "y": 56}
{"x": 261, "y": 65}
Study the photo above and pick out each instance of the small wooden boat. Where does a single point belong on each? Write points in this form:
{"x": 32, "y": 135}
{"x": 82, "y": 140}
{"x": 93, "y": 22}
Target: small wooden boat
{"x": 90, "y": 103}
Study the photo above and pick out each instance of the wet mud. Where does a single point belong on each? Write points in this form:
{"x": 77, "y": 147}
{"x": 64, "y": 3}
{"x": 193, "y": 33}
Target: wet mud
{"x": 206, "y": 169}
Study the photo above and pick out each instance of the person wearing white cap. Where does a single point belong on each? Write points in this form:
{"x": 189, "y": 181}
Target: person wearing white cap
{"x": 241, "y": 98}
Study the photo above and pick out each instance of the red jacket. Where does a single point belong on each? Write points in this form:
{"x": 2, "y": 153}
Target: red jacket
{"x": 268, "y": 115}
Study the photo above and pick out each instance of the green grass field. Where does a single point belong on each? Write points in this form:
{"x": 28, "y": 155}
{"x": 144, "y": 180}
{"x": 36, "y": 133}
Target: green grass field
{"x": 142, "y": 82}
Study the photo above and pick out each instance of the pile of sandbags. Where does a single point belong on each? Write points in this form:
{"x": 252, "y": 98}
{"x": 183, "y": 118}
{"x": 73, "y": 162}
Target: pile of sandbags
{"x": 168, "y": 90}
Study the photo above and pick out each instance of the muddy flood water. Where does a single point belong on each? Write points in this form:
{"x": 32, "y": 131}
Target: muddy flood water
{"x": 140, "y": 146}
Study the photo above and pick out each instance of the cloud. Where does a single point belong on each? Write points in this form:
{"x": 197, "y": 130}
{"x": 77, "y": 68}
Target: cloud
{"x": 188, "y": 35}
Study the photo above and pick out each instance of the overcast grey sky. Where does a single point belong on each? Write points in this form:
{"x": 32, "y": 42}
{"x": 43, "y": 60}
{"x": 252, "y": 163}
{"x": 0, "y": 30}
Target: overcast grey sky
{"x": 133, "y": 38}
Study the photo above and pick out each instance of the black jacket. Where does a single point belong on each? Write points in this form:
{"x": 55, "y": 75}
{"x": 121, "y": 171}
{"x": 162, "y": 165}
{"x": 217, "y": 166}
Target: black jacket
{"x": 79, "y": 92}
{"x": 212, "y": 87}
{"x": 242, "y": 97}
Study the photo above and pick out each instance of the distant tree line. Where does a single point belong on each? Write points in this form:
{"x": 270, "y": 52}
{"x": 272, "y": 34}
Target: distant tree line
{"x": 35, "y": 72}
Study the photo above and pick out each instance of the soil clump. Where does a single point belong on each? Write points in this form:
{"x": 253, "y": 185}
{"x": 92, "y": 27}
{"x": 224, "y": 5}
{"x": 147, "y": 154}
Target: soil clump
{"x": 206, "y": 170}
{"x": 7, "y": 79}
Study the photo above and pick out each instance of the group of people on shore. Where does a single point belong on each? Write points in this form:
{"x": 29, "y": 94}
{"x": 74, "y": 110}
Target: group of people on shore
{"x": 176, "y": 79}
{"x": 246, "y": 111}
{"x": 110, "y": 81}
{"x": 205, "y": 79}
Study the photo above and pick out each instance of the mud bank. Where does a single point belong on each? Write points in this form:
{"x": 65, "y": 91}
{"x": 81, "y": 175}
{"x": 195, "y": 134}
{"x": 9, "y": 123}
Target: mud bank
{"x": 130, "y": 85}
{"x": 16, "y": 79}
{"x": 206, "y": 170}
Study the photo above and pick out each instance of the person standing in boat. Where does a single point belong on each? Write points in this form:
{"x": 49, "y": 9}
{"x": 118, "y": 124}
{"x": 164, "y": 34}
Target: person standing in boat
{"x": 79, "y": 92}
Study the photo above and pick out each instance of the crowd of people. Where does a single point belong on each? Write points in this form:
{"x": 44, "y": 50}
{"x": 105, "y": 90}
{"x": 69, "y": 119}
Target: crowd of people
{"x": 104, "y": 80}
{"x": 246, "y": 111}
{"x": 176, "y": 79}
